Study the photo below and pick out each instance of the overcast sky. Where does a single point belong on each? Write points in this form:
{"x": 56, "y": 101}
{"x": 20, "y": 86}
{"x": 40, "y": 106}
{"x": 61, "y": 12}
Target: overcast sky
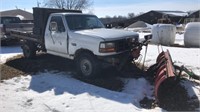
{"x": 103, "y": 8}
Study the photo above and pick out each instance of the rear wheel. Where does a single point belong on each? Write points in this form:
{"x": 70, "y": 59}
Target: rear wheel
{"x": 87, "y": 65}
{"x": 4, "y": 43}
{"x": 29, "y": 50}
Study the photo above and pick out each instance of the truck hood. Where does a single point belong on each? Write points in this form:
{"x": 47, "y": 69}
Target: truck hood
{"x": 108, "y": 34}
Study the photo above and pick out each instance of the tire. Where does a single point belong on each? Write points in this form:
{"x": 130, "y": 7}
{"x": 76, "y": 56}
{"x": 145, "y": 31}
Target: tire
{"x": 4, "y": 43}
{"x": 29, "y": 50}
{"x": 87, "y": 65}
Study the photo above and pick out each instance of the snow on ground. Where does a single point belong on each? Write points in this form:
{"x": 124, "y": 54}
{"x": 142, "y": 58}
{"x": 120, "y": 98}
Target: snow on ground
{"x": 8, "y": 52}
{"x": 54, "y": 91}
{"x": 138, "y": 87}
{"x": 191, "y": 88}
{"x": 57, "y": 92}
{"x": 179, "y": 39}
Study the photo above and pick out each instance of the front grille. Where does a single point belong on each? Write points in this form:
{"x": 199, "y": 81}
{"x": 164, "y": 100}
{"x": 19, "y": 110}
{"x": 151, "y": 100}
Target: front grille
{"x": 122, "y": 45}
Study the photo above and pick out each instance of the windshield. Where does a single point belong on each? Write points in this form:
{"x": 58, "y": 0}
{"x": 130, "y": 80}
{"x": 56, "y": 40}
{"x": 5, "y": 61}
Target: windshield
{"x": 7, "y": 20}
{"x": 81, "y": 22}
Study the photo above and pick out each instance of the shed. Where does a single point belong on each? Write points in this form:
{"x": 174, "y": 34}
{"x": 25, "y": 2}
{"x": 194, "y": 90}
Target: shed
{"x": 153, "y": 16}
{"x": 193, "y": 17}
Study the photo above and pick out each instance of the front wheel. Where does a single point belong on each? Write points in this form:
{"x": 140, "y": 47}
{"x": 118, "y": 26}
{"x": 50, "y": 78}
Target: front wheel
{"x": 87, "y": 65}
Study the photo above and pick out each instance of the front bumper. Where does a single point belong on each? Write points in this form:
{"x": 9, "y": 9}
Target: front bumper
{"x": 116, "y": 60}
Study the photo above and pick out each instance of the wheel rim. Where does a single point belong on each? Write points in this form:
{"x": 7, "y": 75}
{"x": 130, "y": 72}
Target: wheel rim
{"x": 86, "y": 67}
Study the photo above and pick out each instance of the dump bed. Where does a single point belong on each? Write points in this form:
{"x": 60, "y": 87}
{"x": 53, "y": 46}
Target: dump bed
{"x": 40, "y": 16}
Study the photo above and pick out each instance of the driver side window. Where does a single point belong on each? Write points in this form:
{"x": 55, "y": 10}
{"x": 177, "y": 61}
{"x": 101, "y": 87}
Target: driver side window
{"x": 58, "y": 20}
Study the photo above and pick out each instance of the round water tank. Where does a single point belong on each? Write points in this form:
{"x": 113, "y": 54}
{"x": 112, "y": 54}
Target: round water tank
{"x": 192, "y": 34}
{"x": 163, "y": 34}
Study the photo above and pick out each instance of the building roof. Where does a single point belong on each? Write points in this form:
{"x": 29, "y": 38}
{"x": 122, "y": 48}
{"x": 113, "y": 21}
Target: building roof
{"x": 139, "y": 24}
{"x": 195, "y": 14}
{"x": 23, "y": 15}
{"x": 173, "y": 13}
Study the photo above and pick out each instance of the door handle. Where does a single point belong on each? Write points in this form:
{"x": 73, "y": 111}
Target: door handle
{"x": 73, "y": 44}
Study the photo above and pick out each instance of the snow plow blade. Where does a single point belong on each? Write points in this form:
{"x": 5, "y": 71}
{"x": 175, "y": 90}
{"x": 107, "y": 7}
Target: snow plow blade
{"x": 166, "y": 75}
{"x": 164, "y": 72}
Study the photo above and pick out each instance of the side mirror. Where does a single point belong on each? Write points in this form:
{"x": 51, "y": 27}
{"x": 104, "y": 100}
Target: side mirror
{"x": 53, "y": 26}
{"x": 108, "y": 25}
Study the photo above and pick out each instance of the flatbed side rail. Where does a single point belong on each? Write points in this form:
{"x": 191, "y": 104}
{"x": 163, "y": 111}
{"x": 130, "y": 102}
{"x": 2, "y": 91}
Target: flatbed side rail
{"x": 23, "y": 35}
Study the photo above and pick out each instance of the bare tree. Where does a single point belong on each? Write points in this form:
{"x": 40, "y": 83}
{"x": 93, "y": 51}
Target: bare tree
{"x": 68, "y": 4}
{"x": 131, "y": 15}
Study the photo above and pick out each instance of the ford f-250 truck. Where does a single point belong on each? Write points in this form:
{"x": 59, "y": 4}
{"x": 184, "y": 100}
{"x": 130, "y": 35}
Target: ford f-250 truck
{"x": 77, "y": 36}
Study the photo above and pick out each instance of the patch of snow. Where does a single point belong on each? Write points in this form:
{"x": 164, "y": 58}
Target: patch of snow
{"x": 46, "y": 92}
{"x": 192, "y": 88}
{"x": 183, "y": 14}
{"x": 138, "y": 87}
{"x": 21, "y": 17}
{"x": 179, "y": 39}
{"x": 7, "y": 52}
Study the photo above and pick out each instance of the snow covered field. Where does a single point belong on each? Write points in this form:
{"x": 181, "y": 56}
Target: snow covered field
{"x": 54, "y": 91}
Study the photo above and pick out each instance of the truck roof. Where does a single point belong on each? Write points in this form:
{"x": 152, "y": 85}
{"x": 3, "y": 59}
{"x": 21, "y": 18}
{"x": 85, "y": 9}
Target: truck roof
{"x": 66, "y": 13}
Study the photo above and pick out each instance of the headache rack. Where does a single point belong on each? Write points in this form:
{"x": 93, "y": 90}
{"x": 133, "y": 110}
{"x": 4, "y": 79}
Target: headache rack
{"x": 41, "y": 15}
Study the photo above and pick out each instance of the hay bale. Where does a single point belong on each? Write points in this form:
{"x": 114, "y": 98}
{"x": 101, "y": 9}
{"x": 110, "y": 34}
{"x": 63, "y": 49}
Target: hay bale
{"x": 163, "y": 34}
{"x": 192, "y": 34}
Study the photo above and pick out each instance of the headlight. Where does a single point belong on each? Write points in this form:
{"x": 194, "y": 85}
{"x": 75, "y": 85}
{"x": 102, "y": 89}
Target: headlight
{"x": 107, "y": 47}
{"x": 133, "y": 39}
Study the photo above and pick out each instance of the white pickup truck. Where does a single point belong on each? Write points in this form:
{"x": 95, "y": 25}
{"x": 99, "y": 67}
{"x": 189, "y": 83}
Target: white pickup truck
{"x": 79, "y": 37}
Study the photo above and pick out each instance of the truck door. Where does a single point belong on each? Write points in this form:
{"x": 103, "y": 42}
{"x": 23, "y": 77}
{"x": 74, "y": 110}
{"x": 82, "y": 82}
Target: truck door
{"x": 56, "y": 36}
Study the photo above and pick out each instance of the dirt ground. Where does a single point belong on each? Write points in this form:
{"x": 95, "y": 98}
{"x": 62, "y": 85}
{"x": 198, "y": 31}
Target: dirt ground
{"x": 43, "y": 62}
{"x": 171, "y": 99}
